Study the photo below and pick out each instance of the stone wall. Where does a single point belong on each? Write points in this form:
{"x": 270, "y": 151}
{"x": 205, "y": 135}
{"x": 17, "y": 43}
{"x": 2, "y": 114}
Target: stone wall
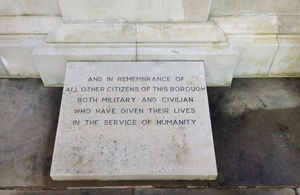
{"x": 235, "y": 38}
{"x": 24, "y": 25}
{"x": 266, "y": 32}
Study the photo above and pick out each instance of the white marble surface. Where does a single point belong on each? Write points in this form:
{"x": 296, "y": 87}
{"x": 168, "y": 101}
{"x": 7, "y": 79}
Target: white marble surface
{"x": 289, "y": 24}
{"x": 143, "y": 150}
{"x": 29, "y": 7}
{"x": 287, "y": 60}
{"x": 51, "y": 59}
{"x": 256, "y": 38}
{"x": 247, "y": 24}
{"x": 16, "y": 50}
{"x": 255, "y": 7}
{"x": 179, "y": 33}
{"x": 19, "y": 36}
{"x": 28, "y": 24}
{"x": 257, "y": 54}
{"x": 141, "y": 32}
{"x": 89, "y": 11}
{"x": 220, "y": 58}
{"x": 94, "y": 33}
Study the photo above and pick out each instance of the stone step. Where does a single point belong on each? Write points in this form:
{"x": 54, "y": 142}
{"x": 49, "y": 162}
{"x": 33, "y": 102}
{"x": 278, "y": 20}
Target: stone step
{"x": 141, "y": 33}
{"x": 220, "y": 58}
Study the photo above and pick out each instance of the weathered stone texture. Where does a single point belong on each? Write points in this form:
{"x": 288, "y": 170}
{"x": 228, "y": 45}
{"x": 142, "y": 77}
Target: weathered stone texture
{"x": 289, "y": 24}
{"x": 16, "y": 51}
{"x": 28, "y": 25}
{"x": 87, "y": 11}
{"x": 116, "y": 151}
{"x": 255, "y": 7}
{"x": 29, "y": 8}
{"x": 287, "y": 59}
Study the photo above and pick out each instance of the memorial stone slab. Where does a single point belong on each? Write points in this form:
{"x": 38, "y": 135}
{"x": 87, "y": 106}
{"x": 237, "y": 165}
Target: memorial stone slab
{"x": 134, "y": 121}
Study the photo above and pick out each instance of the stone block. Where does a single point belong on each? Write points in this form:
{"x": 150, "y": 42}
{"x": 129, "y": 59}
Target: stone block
{"x": 255, "y": 7}
{"x": 247, "y": 24}
{"x": 256, "y": 38}
{"x": 28, "y": 24}
{"x": 132, "y": 33}
{"x": 90, "y": 11}
{"x": 16, "y": 53}
{"x": 289, "y": 24}
{"x": 29, "y": 7}
{"x": 19, "y": 35}
{"x": 287, "y": 59}
{"x": 182, "y": 32}
{"x": 175, "y": 143}
{"x": 220, "y": 59}
{"x": 51, "y": 59}
{"x": 94, "y": 33}
{"x": 257, "y": 54}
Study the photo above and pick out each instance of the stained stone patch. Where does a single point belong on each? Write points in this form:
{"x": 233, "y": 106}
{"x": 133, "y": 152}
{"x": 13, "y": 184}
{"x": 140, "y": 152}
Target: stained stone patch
{"x": 3, "y": 71}
{"x": 134, "y": 121}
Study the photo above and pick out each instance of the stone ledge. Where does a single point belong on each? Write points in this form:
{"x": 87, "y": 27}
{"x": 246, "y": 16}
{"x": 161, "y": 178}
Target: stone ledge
{"x": 132, "y": 33}
{"x": 179, "y": 33}
{"x": 220, "y": 59}
{"x": 94, "y": 33}
{"x": 247, "y": 24}
{"x": 51, "y": 59}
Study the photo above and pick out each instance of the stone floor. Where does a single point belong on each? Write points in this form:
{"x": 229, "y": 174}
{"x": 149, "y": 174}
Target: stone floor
{"x": 256, "y": 127}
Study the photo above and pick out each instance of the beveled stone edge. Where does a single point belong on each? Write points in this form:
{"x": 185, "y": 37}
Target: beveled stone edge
{"x": 74, "y": 177}
{"x": 138, "y": 33}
